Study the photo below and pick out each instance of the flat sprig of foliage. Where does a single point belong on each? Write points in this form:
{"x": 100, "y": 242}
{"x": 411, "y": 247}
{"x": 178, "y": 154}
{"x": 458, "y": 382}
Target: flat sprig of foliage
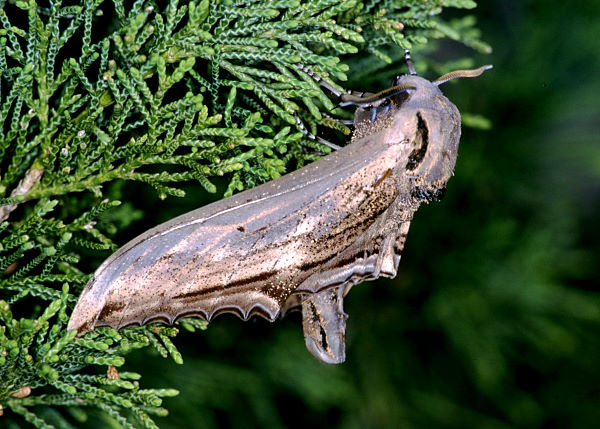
{"x": 96, "y": 91}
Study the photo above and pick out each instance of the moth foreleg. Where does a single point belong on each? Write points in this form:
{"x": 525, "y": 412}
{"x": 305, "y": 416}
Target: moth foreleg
{"x": 311, "y": 136}
{"x": 324, "y": 323}
{"x": 353, "y": 96}
{"x": 325, "y": 84}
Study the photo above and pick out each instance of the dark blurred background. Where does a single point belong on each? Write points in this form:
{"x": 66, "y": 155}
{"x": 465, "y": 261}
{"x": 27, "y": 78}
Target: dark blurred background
{"x": 494, "y": 318}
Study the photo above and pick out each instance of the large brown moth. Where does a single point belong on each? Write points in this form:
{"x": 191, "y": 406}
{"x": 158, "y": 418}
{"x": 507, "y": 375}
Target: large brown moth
{"x": 302, "y": 240}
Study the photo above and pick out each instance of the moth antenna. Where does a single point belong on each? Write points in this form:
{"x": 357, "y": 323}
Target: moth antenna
{"x": 367, "y": 99}
{"x": 409, "y": 63}
{"x": 311, "y": 136}
{"x": 461, "y": 73}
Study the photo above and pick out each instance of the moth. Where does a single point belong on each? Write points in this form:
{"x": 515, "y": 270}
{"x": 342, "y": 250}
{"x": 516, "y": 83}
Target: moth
{"x": 302, "y": 240}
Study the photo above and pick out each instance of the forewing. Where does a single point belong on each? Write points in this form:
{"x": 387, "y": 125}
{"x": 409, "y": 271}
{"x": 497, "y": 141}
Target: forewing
{"x": 244, "y": 254}
{"x": 375, "y": 254}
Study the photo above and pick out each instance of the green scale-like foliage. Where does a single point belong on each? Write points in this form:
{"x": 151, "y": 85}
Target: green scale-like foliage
{"x": 95, "y": 91}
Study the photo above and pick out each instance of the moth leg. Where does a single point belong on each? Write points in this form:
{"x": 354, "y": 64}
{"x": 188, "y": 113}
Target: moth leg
{"x": 387, "y": 262}
{"x": 409, "y": 63}
{"x": 311, "y": 136}
{"x": 325, "y": 84}
{"x": 390, "y": 252}
{"x": 349, "y": 122}
{"x": 324, "y": 323}
{"x": 383, "y": 108}
{"x": 331, "y": 88}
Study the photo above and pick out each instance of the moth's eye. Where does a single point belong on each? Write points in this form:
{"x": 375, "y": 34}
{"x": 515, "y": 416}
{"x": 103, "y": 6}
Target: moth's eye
{"x": 397, "y": 79}
{"x": 420, "y": 144}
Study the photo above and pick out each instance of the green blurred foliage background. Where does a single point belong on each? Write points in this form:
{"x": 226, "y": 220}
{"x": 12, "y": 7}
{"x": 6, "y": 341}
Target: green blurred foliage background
{"x": 493, "y": 320}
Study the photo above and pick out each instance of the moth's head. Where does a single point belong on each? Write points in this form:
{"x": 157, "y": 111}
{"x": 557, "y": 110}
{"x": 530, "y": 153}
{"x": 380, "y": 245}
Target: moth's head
{"x": 430, "y": 130}
{"x": 429, "y": 125}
